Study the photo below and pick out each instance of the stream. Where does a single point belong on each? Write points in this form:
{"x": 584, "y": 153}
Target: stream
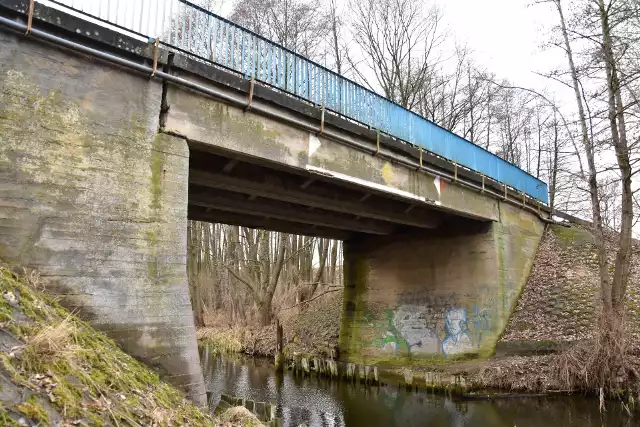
{"x": 316, "y": 402}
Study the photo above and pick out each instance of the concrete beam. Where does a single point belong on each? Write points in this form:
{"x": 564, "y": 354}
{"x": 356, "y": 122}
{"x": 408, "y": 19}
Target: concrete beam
{"x": 198, "y": 213}
{"x": 238, "y": 203}
{"x": 268, "y": 140}
{"x": 364, "y": 207}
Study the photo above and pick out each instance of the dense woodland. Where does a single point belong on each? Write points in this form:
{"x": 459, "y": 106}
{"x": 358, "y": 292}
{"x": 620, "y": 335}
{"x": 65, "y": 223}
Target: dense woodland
{"x": 585, "y": 145}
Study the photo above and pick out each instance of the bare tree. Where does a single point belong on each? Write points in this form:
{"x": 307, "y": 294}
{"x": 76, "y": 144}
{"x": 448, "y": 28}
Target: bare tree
{"x": 513, "y": 120}
{"x": 618, "y": 129}
{"x": 603, "y": 128}
{"x": 299, "y": 25}
{"x": 337, "y": 48}
{"x": 398, "y": 41}
{"x": 241, "y": 271}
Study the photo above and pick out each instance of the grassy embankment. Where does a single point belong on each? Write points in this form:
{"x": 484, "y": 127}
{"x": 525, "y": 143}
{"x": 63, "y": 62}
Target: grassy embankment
{"x": 56, "y": 369}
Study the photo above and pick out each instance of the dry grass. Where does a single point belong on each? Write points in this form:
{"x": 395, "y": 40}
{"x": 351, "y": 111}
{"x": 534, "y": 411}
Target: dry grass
{"x": 606, "y": 364}
{"x": 72, "y": 374}
{"x": 54, "y": 340}
{"x": 524, "y": 374}
{"x": 239, "y": 415}
{"x": 225, "y": 341}
{"x": 33, "y": 279}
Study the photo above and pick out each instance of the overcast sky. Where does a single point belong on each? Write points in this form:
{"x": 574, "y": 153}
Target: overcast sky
{"x": 508, "y": 37}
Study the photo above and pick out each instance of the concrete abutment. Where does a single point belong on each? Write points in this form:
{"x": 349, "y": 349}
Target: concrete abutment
{"x": 93, "y": 197}
{"x": 435, "y": 295}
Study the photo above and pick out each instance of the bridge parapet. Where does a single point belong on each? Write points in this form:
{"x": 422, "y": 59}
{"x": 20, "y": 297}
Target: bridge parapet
{"x": 182, "y": 26}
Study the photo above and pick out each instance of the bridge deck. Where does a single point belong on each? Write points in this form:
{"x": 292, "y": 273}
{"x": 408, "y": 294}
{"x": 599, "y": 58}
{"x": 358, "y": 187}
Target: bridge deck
{"x": 185, "y": 27}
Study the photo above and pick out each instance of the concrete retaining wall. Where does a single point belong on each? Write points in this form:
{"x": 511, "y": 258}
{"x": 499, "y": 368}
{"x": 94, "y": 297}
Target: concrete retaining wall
{"x": 93, "y": 197}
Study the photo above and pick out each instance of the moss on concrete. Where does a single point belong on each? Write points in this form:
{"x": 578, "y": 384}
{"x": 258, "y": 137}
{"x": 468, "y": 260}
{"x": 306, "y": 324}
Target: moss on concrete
{"x": 355, "y": 273}
{"x": 157, "y": 166}
{"x": 571, "y": 235}
{"x": 223, "y": 120}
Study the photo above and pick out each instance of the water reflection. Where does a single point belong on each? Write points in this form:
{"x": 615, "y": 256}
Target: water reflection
{"x": 322, "y": 403}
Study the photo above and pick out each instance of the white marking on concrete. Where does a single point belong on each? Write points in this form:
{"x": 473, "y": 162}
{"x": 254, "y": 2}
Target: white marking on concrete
{"x": 436, "y": 182}
{"x": 365, "y": 183}
{"x": 314, "y": 143}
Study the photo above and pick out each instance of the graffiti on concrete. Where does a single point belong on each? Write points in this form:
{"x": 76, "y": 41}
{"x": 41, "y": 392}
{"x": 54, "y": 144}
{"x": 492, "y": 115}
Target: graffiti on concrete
{"x": 410, "y": 322}
{"x": 457, "y": 338}
{"x": 407, "y": 331}
{"x": 425, "y": 298}
{"x": 479, "y": 323}
{"x": 389, "y": 342}
{"x": 445, "y": 324}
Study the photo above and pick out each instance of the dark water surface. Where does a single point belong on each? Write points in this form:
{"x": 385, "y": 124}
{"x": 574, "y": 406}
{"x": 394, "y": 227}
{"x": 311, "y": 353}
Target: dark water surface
{"x": 322, "y": 403}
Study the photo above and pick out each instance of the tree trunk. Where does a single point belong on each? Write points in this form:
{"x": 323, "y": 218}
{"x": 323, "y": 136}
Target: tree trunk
{"x": 264, "y": 312}
{"x": 620, "y": 145}
{"x": 605, "y": 286}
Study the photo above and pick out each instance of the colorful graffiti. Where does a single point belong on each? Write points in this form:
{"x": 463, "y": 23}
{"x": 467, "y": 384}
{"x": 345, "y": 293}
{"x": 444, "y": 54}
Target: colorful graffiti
{"x": 407, "y": 332}
{"x": 413, "y": 329}
{"x": 447, "y": 324}
{"x": 457, "y": 338}
{"x": 411, "y": 323}
{"x": 479, "y": 323}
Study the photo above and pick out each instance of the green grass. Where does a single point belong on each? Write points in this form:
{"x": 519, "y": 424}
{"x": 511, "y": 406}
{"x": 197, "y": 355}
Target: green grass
{"x": 94, "y": 380}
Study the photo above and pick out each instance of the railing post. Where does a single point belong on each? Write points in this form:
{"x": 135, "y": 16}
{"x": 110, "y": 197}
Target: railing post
{"x": 295, "y": 75}
{"x": 243, "y": 71}
{"x": 30, "y": 16}
{"x": 322, "y": 122}
{"x": 155, "y": 56}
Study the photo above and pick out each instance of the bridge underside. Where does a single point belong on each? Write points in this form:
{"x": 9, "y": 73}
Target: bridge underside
{"x": 420, "y": 283}
{"x": 232, "y": 189}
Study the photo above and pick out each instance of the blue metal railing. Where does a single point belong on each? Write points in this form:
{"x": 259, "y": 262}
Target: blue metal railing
{"x": 192, "y": 29}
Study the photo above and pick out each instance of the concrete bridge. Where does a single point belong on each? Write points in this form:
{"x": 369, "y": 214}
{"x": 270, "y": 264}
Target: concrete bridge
{"x": 108, "y": 144}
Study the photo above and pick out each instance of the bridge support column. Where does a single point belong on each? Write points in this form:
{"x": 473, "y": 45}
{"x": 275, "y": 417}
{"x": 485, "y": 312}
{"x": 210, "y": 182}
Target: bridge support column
{"x": 441, "y": 294}
{"x": 95, "y": 198}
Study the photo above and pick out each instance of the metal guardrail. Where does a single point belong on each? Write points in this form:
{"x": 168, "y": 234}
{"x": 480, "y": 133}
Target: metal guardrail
{"x": 189, "y": 28}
